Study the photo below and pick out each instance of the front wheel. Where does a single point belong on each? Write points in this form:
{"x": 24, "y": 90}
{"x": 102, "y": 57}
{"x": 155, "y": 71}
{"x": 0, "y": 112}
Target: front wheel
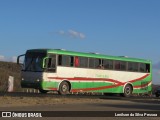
{"x": 63, "y": 88}
{"x": 127, "y": 91}
{"x": 43, "y": 91}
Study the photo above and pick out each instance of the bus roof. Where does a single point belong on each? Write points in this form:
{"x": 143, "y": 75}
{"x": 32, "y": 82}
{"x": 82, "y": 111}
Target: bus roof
{"x": 94, "y": 55}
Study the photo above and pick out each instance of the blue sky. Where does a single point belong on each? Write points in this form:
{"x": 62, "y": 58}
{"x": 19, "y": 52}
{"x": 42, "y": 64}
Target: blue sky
{"x": 114, "y": 27}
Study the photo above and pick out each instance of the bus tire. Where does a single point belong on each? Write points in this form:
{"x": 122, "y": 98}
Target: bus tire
{"x": 63, "y": 88}
{"x": 108, "y": 94}
{"x": 43, "y": 91}
{"x": 127, "y": 91}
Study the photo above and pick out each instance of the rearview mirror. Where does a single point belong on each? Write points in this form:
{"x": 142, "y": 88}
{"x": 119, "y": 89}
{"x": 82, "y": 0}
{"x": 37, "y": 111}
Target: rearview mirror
{"x": 44, "y": 65}
{"x": 18, "y": 59}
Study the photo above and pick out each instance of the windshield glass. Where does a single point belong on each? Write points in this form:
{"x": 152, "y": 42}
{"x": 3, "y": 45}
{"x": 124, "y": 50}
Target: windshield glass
{"x": 33, "y": 61}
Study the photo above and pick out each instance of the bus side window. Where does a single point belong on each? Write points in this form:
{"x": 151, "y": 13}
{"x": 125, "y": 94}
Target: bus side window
{"x": 63, "y": 60}
{"x": 148, "y": 68}
{"x": 91, "y": 62}
{"x": 97, "y": 63}
{"x": 123, "y": 65}
{"x": 117, "y": 65}
{"x": 108, "y": 64}
{"x": 133, "y": 66}
{"x": 71, "y": 61}
{"x": 50, "y": 64}
{"x": 142, "y": 67}
{"x": 59, "y": 59}
{"x": 130, "y": 66}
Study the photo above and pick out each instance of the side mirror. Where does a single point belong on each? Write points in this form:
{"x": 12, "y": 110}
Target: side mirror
{"x": 44, "y": 64}
{"x": 18, "y": 59}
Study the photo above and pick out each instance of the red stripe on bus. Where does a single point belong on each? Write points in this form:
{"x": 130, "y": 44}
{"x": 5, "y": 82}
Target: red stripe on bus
{"x": 97, "y": 79}
{"x": 101, "y": 79}
{"x": 139, "y": 79}
{"x": 85, "y": 79}
{"x": 143, "y": 85}
{"x": 97, "y": 88}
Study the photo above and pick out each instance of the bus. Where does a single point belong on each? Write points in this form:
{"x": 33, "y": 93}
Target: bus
{"x": 69, "y": 71}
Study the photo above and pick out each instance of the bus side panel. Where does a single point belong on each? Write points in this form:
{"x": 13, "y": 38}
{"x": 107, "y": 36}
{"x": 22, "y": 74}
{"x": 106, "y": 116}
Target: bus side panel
{"x": 93, "y": 80}
{"x": 143, "y": 86}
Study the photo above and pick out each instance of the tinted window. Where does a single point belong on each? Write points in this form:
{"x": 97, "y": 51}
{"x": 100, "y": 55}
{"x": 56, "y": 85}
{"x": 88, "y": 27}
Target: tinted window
{"x": 144, "y": 67}
{"x": 117, "y": 65}
{"x": 132, "y": 66}
{"x": 95, "y": 63}
{"x": 83, "y": 62}
{"x": 50, "y": 63}
{"x": 147, "y": 67}
{"x": 65, "y": 60}
{"x": 120, "y": 65}
{"x": 123, "y": 65}
{"x": 108, "y": 64}
{"x": 91, "y": 62}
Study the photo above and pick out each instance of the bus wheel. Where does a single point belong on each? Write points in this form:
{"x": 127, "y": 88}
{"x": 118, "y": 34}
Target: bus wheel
{"x": 63, "y": 88}
{"x": 43, "y": 91}
{"x": 127, "y": 91}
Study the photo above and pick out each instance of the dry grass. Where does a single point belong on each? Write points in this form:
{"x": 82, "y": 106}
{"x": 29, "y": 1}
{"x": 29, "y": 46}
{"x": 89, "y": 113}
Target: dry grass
{"x": 7, "y": 101}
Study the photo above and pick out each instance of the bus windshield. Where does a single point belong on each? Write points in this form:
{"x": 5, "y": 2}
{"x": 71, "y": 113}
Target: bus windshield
{"x": 33, "y": 61}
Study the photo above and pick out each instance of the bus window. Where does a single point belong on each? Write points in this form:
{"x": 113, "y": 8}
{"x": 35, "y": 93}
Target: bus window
{"x": 148, "y": 68}
{"x": 50, "y": 64}
{"x": 117, "y": 65}
{"x": 108, "y": 64}
{"x": 59, "y": 59}
{"x": 65, "y": 60}
{"x": 123, "y": 65}
{"x": 83, "y": 62}
{"x": 142, "y": 67}
{"x": 132, "y": 66}
{"x": 71, "y": 61}
{"x": 91, "y": 62}
{"x": 120, "y": 65}
{"x": 97, "y": 63}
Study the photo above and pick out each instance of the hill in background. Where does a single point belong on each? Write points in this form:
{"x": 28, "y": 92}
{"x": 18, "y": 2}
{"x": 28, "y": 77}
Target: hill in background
{"x": 9, "y": 69}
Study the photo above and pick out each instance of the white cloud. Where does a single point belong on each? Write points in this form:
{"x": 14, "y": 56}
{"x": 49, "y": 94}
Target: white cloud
{"x": 8, "y": 59}
{"x": 14, "y": 59}
{"x": 76, "y": 34}
{"x": 2, "y": 58}
{"x": 61, "y": 32}
{"x": 71, "y": 33}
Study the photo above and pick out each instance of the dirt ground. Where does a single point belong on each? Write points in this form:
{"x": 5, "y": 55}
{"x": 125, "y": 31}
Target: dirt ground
{"x": 8, "y": 101}
{"x": 15, "y": 101}
{"x": 54, "y": 103}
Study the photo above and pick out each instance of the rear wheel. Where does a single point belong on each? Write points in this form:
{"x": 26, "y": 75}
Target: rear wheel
{"x": 127, "y": 91}
{"x": 63, "y": 88}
